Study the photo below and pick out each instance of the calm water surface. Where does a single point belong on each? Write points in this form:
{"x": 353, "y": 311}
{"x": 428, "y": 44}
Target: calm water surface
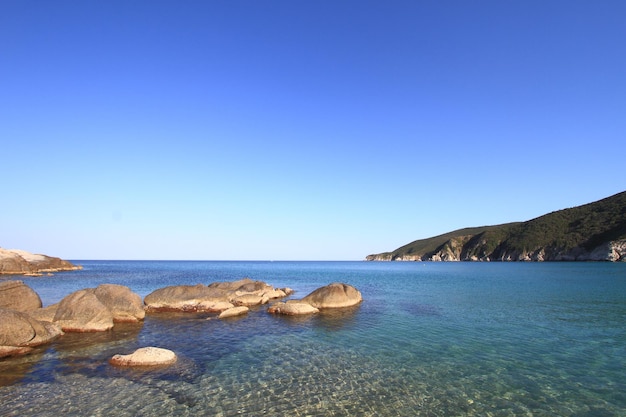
{"x": 430, "y": 339}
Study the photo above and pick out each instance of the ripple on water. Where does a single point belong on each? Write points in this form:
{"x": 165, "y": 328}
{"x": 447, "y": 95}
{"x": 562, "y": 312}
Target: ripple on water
{"x": 443, "y": 348}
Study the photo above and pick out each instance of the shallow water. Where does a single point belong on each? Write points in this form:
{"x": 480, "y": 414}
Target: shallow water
{"x": 430, "y": 339}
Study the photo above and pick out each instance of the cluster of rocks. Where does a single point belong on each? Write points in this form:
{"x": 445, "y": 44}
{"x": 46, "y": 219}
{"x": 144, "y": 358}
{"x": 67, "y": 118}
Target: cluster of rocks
{"x": 25, "y": 324}
{"x": 217, "y": 297}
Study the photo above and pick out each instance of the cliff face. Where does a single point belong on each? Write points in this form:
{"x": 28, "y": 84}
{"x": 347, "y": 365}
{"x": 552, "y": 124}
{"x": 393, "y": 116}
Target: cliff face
{"x": 592, "y": 232}
{"x": 455, "y": 250}
{"x": 19, "y": 262}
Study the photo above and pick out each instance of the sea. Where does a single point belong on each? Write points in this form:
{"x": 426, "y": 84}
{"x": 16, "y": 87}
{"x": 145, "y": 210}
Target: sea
{"x": 429, "y": 339}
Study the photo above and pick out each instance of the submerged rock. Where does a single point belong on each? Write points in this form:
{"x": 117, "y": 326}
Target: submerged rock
{"x": 147, "y": 356}
{"x": 18, "y": 296}
{"x": 335, "y": 295}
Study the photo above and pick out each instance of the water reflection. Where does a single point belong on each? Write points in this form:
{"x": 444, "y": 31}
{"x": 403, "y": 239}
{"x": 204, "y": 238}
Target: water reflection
{"x": 15, "y": 369}
{"x": 91, "y": 344}
{"x": 334, "y": 319}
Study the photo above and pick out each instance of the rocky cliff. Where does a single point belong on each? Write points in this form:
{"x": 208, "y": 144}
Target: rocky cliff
{"x": 455, "y": 250}
{"x": 20, "y": 262}
{"x": 592, "y": 232}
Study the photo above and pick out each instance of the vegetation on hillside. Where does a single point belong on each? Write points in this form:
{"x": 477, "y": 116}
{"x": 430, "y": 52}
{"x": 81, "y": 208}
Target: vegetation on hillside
{"x": 567, "y": 231}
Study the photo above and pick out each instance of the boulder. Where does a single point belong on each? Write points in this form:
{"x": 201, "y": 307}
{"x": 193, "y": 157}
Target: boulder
{"x": 20, "y": 333}
{"x": 147, "y": 356}
{"x": 213, "y": 306}
{"x": 81, "y": 311}
{"x": 234, "y": 311}
{"x": 249, "y": 300}
{"x": 244, "y": 285}
{"x": 335, "y": 295}
{"x": 292, "y": 308}
{"x": 187, "y": 298}
{"x": 18, "y": 296}
{"x": 45, "y": 313}
{"x": 215, "y": 297}
{"x": 247, "y": 287}
{"x": 125, "y": 305}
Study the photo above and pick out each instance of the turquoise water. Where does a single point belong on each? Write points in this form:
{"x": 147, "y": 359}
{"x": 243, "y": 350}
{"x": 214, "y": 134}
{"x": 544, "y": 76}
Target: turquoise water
{"x": 430, "y": 339}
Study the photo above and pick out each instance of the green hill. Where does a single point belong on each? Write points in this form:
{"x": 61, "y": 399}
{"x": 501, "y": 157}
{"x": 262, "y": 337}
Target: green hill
{"x": 592, "y": 232}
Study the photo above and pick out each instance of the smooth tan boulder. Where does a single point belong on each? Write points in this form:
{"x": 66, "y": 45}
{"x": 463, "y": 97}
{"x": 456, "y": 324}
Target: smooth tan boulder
{"x": 233, "y": 312}
{"x": 185, "y": 298}
{"x": 244, "y": 285}
{"x": 248, "y": 292}
{"x": 213, "y": 306}
{"x": 45, "y": 313}
{"x": 215, "y": 297}
{"x": 125, "y": 305}
{"x": 18, "y": 296}
{"x": 249, "y": 300}
{"x": 292, "y": 308}
{"x": 277, "y": 293}
{"x": 19, "y": 332}
{"x": 81, "y": 311}
{"x": 335, "y": 295}
{"x": 147, "y": 356}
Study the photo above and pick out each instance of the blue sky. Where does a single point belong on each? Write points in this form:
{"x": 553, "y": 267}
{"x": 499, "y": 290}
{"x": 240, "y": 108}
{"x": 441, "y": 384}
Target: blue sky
{"x": 300, "y": 130}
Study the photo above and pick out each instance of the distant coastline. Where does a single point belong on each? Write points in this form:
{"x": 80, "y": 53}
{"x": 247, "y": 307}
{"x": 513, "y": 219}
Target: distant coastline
{"x": 21, "y": 262}
{"x": 591, "y": 232}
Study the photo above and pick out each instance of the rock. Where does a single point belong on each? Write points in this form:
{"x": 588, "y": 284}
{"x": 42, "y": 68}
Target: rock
{"x": 213, "y": 306}
{"x": 89, "y": 309}
{"x": 81, "y": 311}
{"x": 18, "y": 296}
{"x": 187, "y": 298}
{"x": 14, "y": 350}
{"x": 334, "y": 295}
{"x": 45, "y": 313}
{"x": 147, "y": 356}
{"x": 234, "y": 311}
{"x": 292, "y": 308}
{"x": 12, "y": 263}
{"x": 215, "y": 297}
{"x": 15, "y": 261}
{"x": 245, "y": 285}
{"x": 249, "y": 292}
{"x": 249, "y": 300}
{"x": 19, "y": 332}
{"x": 125, "y": 305}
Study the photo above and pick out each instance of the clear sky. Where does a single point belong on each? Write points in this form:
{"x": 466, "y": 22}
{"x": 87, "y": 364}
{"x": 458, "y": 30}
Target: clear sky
{"x": 300, "y": 130}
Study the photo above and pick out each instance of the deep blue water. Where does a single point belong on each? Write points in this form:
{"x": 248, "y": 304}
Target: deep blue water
{"x": 430, "y": 339}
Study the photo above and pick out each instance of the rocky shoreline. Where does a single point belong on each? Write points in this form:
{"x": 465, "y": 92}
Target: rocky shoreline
{"x": 464, "y": 249}
{"x": 21, "y": 262}
{"x": 25, "y": 324}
